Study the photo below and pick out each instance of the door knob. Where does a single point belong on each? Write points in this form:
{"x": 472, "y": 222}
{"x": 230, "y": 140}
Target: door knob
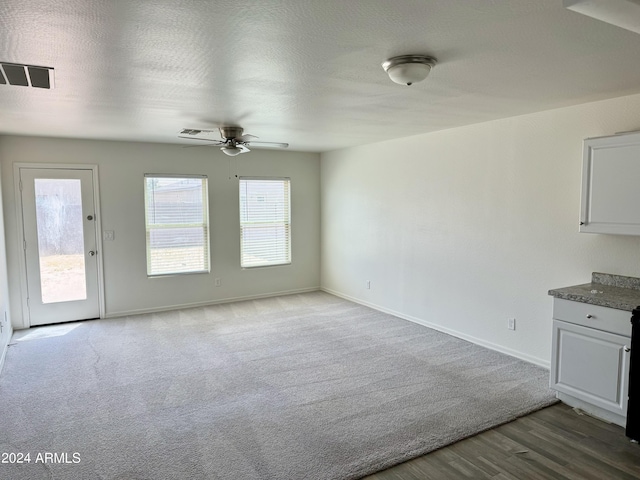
{"x": 91, "y": 253}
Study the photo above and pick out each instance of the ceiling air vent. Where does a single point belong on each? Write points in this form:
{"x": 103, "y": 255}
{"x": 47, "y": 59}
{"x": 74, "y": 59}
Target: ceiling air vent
{"x": 26, "y": 75}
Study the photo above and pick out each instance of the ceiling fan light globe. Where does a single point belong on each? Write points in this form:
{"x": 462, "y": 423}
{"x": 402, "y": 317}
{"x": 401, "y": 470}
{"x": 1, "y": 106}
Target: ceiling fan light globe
{"x": 231, "y": 151}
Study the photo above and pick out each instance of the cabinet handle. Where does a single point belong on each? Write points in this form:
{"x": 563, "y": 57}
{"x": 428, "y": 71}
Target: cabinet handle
{"x": 589, "y": 315}
{"x": 627, "y": 349}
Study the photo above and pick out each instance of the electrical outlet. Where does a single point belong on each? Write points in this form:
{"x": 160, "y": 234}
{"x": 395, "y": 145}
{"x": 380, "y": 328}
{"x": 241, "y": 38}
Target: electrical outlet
{"x": 368, "y": 284}
{"x": 511, "y": 325}
{"x": 217, "y": 282}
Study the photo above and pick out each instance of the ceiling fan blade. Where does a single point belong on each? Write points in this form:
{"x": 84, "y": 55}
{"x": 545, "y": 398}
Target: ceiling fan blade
{"x": 203, "y": 145}
{"x": 194, "y": 131}
{"x": 244, "y": 148}
{"x": 245, "y": 138}
{"x": 216, "y": 142}
{"x": 270, "y": 144}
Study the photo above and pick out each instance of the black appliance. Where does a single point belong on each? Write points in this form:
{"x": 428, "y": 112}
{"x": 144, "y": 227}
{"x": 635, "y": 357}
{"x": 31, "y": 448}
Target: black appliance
{"x": 633, "y": 405}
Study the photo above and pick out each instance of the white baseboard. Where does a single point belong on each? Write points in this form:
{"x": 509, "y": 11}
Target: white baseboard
{"x": 5, "y": 347}
{"x": 125, "y": 313}
{"x": 478, "y": 341}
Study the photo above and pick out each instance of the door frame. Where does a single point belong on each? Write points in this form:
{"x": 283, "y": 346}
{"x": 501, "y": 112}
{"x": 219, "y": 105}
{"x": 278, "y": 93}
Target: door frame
{"x": 24, "y": 291}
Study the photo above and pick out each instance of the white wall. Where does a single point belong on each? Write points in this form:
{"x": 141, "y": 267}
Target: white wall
{"x": 467, "y": 227}
{"x": 122, "y": 166}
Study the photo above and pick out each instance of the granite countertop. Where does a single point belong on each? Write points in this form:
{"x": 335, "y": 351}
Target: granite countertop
{"x": 606, "y": 290}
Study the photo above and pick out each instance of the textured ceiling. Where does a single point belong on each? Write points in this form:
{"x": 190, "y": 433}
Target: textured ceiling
{"x": 305, "y": 72}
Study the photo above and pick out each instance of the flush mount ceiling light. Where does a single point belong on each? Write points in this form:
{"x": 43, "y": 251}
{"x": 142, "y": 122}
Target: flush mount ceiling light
{"x": 621, "y": 13}
{"x": 409, "y": 69}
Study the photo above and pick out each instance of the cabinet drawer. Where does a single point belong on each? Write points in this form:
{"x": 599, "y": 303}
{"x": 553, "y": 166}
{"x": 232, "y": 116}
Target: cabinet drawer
{"x": 593, "y": 316}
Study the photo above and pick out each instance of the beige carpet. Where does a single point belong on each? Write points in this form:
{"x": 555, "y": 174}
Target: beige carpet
{"x": 297, "y": 387}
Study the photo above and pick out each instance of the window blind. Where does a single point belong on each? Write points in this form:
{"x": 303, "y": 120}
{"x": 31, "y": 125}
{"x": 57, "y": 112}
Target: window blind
{"x": 265, "y": 222}
{"x": 177, "y": 224}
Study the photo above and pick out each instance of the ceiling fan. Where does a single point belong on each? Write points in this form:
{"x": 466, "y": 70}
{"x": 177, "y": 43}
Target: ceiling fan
{"x": 233, "y": 141}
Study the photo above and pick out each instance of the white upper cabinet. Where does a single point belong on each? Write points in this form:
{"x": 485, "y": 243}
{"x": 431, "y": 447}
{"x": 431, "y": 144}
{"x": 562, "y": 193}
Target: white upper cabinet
{"x": 611, "y": 185}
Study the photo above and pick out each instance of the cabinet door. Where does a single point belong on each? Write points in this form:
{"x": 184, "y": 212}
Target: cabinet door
{"x": 591, "y": 365}
{"x": 610, "y": 190}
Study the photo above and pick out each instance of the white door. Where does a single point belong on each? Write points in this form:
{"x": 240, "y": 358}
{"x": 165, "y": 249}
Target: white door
{"x": 59, "y": 221}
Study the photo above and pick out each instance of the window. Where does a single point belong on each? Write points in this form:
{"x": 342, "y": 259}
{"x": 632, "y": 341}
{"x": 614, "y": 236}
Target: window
{"x": 177, "y": 222}
{"x": 265, "y": 225}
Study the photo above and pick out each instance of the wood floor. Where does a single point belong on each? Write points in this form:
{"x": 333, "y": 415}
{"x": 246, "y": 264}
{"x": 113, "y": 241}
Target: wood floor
{"x": 554, "y": 443}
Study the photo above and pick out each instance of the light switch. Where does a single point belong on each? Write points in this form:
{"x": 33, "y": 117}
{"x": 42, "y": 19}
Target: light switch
{"x": 109, "y": 235}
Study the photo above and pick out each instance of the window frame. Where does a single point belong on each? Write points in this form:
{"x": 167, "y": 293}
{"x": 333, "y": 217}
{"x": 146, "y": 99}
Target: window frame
{"x": 205, "y": 224}
{"x": 289, "y": 223}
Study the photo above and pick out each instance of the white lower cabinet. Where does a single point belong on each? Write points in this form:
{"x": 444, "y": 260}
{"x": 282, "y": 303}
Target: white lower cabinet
{"x": 590, "y": 367}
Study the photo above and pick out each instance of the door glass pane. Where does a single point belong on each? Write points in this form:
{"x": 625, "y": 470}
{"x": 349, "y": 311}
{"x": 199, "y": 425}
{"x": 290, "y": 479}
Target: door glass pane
{"x": 60, "y": 240}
